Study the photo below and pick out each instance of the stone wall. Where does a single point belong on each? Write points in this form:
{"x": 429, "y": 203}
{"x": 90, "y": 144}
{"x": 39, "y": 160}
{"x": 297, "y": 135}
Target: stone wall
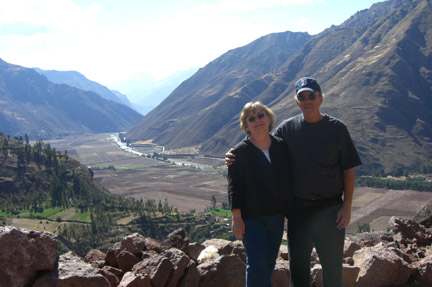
{"x": 401, "y": 257}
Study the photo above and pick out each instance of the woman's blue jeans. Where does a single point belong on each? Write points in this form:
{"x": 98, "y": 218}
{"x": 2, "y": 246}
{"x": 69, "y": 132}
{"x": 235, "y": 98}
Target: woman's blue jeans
{"x": 262, "y": 240}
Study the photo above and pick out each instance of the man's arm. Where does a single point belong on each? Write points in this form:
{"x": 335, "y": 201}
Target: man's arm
{"x": 238, "y": 226}
{"x": 344, "y": 214}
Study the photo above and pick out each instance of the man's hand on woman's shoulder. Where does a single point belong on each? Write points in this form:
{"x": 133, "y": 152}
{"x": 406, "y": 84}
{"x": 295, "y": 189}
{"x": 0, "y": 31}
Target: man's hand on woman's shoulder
{"x": 229, "y": 157}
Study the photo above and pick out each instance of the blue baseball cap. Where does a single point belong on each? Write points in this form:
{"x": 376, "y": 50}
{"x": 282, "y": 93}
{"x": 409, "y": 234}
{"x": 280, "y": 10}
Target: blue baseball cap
{"x": 307, "y": 84}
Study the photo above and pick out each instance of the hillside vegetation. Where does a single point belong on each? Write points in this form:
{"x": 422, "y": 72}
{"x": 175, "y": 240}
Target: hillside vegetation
{"x": 51, "y": 189}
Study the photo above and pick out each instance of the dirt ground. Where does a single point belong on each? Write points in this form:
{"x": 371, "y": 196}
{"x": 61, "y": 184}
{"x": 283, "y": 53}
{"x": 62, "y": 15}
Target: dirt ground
{"x": 189, "y": 188}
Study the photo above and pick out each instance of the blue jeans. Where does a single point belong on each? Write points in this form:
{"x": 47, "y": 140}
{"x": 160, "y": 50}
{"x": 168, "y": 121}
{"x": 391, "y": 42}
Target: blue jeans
{"x": 262, "y": 240}
{"x": 311, "y": 226}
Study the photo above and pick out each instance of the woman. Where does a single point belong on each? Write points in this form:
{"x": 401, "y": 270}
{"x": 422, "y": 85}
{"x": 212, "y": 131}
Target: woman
{"x": 259, "y": 191}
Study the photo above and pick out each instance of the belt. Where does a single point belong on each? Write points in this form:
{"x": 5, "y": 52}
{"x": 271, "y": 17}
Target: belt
{"x": 317, "y": 201}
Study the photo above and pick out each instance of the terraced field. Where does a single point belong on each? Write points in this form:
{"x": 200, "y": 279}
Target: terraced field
{"x": 190, "y": 188}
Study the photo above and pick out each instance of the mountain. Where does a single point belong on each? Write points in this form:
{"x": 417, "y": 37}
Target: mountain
{"x": 32, "y": 105}
{"x": 78, "y": 80}
{"x": 193, "y": 112}
{"x": 146, "y": 92}
{"x": 375, "y": 70}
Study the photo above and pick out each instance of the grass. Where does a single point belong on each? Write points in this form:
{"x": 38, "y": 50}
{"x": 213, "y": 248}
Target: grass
{"x": 25, "y": 213}
{"x": 80, "y": 216}
{"x": 221, "y": 212}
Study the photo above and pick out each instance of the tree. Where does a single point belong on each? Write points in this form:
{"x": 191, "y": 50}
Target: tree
{"x": 213, "y": 201}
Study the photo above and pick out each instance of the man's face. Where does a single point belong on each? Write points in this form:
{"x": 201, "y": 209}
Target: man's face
{"x": 309, "y": 102}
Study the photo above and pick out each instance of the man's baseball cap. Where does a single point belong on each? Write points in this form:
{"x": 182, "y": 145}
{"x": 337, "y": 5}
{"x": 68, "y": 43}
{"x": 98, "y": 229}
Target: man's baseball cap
{"x": 307, "y": 84}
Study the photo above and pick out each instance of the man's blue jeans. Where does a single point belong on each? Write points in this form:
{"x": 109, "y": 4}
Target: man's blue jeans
{"x": 262, "y": 240}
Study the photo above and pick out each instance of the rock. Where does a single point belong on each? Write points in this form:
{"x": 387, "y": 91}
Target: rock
{"x": 24, "y": 253}
{"x": 316, "y": 276}
{"x": 283, "y": 252}
{"x": 410, "y": 231}
{"x": 130, "y": 279}
{"x": 223, "y": 246}
{"x": 126, "y": 260}
{"x": 380, "y": 266}
{"x": 117, "y": 272}
{"x": 111, "y": 255}
{"x": 159, "y": 269}
{"x": 134, "y": 243}
{"x": 95, "y": 257}
{"x": 424, "y": 271}
{"x": 113, "y": 279}
{"x": 225, "y": 270}
{"x": 180, "y": 261}
{"x": 194, "y": 250}
{"x": 176, "y": 239}
{"x": 350, "y": 247}
{"x": 427, "y": 222}
{"x": 349, "y": 275}
{"x": 152, "y": 244}
{"x": 281, "y": 274}
{"x": 239, "y": 250}
{"x": 72, "y": 271}
{"x": 191, "y": 276}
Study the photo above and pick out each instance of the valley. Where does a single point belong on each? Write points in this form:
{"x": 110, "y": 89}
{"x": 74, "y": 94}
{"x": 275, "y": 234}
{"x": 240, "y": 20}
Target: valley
{"x": 187, "y": 187}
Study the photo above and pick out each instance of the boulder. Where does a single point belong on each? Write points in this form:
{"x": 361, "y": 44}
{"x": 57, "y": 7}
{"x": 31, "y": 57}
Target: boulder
{"x": 191, "y": 276}
{"x": 153, "y": 244}
{"x": 350, "y": 247}
{"x": 159, "y": 268}
{"x": 72, "y": 271}
{"x": 111, "y": 255}
{"x": 176, "y": 239}
{"x": 409, "y": 231}
{"x": 126, "y": 260}
{"x": 224, "y": 247}
{"x": 194, "y": 250}
{"x": 283, "y": 252}
{"x": 424, "y": 271}
{"x": 24, "y": 253}
{"x": 180, "y": 261}
{"x": 225, "y": 270}
{"x": 95, "y": 257}
{"x": 380, "y": 266}
{"x": 130, "y": 279}
{"x": 281, "y": 274}
{"x": 134, "y": 243}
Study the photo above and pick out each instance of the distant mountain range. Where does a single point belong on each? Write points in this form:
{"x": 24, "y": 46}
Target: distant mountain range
{"x": 78, "y": 80}
{"x": 146, "y": 92}
{"x": 32, "y": 105}
{"x": 375, "y": 70}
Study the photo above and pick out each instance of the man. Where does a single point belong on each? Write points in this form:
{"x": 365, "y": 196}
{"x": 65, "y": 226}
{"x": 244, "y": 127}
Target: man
{"x": 323, "y": 158}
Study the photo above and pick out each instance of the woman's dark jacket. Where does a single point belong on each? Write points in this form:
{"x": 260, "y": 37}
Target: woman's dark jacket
{"x": 256, "y": 186}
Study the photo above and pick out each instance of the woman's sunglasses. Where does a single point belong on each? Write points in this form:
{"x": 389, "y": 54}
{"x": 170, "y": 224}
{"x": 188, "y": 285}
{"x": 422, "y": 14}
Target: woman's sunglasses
{"x": 251, "y": 119}
{"x": 302, "y": 98}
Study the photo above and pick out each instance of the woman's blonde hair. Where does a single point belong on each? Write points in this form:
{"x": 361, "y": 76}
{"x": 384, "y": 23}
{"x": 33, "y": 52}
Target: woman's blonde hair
{"x": 252, "y": 106}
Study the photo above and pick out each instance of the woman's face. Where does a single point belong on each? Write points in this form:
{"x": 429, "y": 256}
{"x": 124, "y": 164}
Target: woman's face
{"x": 258, "y": 121}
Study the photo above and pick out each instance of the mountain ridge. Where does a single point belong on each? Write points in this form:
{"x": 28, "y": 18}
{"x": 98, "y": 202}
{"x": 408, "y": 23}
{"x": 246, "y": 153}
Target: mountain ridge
{"x": 32, "y": 105}
{"x": 374, "y": 70}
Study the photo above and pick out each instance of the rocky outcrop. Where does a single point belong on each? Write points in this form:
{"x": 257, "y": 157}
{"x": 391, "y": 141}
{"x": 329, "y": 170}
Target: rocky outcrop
{"x": 401, "y": 257}
{"x": 24, "y": 253}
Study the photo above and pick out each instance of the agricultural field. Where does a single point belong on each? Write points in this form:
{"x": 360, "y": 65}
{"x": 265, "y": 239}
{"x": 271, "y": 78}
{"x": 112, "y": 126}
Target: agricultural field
{"x": 187, "y": 187}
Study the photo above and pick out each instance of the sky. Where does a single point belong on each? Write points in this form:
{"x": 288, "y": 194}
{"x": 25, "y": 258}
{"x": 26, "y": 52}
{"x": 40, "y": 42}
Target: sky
{"x": 111, "y": 41}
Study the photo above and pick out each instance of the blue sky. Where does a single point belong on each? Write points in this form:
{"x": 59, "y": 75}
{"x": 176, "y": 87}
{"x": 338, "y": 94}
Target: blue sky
{"x": 110, "y": 41}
